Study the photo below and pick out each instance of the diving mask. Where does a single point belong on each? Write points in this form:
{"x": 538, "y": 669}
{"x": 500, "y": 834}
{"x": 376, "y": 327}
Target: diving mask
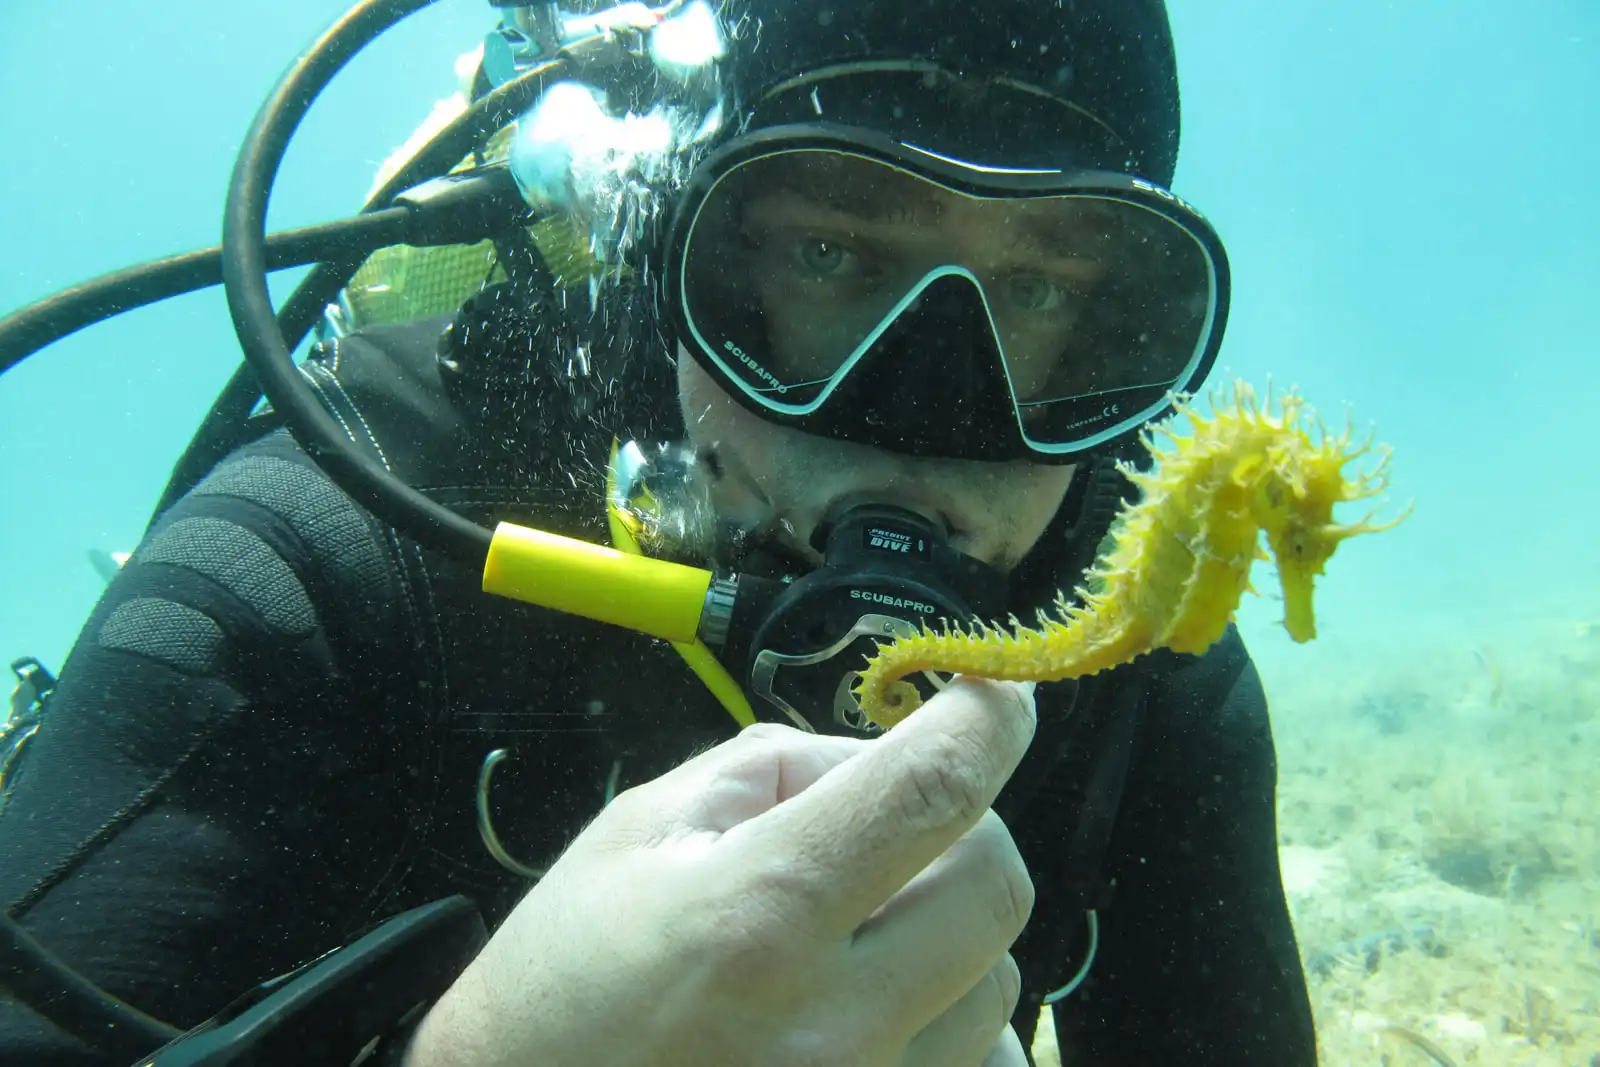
{"x": 864, "y": 289}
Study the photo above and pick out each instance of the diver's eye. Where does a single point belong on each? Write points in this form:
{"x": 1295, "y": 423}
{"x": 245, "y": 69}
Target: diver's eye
{"x": 1032, "y": 292}
{"x": 823, "y": 257}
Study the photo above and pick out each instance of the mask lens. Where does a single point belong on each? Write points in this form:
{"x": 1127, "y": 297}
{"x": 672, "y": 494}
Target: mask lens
{"x": 794, "y": 262}
{"x": 1117, "y": 342}
{"x": 797, "y": 262}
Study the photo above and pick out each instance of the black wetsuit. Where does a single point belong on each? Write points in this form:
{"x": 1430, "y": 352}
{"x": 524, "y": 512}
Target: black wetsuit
{"x": 269, "y": 734}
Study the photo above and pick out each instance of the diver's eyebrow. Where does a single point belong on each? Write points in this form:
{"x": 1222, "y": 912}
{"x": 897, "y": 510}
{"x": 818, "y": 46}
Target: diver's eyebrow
{"x": 1073, "y": 238}
{"x": 866, "y": 201}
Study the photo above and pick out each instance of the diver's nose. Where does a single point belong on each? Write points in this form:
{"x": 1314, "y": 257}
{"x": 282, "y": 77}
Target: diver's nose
{"x": 933, "y": 384}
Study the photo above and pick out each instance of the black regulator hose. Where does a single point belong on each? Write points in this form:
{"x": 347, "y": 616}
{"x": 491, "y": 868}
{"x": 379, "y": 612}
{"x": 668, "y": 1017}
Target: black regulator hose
{"x": 226, "y": 426}
{"x": 338, "y": 249}
{"x": 32, "y": 973}
{"x": 244, "y": 277}
{"x": 61, "y": 314}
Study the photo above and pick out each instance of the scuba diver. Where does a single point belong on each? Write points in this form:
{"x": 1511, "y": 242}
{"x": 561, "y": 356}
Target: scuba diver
{"x": 839, "y": 318}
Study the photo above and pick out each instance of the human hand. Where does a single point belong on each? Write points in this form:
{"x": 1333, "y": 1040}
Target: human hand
{"x": 784, "y": 899}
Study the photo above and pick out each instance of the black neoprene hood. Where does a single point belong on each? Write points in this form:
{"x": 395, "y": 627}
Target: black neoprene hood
{"x": 1112, "y": 61}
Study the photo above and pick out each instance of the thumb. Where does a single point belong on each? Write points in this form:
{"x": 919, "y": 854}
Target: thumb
{"x": 1007, "y": 1052}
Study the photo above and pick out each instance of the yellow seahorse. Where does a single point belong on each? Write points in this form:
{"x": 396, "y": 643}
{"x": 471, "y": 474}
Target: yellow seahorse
{"x": 1180, "y": 558}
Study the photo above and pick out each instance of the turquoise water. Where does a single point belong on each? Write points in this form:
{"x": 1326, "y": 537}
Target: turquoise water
{"x": 119, "y": 134}
{"x": 1405, "y": 190}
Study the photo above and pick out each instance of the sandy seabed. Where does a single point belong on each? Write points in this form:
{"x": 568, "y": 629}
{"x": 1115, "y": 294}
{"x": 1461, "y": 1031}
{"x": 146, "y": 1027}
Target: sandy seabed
{"x": 1439, "y": 833}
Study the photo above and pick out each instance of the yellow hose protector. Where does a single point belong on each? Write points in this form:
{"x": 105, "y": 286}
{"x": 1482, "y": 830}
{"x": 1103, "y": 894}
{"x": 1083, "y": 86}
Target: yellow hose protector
{"x": 626, "y": 526}
{"x": 653, "y": 596}
{"x": 699, "y": 657}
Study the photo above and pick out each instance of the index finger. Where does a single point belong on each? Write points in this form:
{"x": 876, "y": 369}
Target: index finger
{"x": 869, "y": 825}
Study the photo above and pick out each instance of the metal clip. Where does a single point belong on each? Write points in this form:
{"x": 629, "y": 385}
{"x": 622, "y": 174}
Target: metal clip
{"x": 491, "y": 840}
